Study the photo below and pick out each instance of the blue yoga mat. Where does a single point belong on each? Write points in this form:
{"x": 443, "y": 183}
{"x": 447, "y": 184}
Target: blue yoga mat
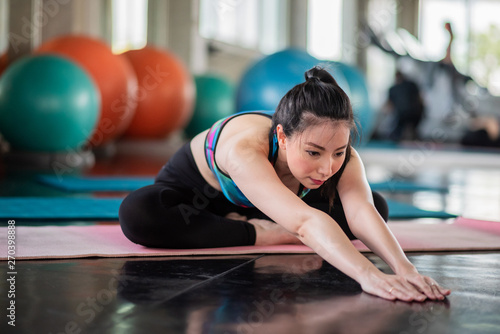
{"x": 404, "y": 186}
{"x": 72, "y": 208}
{"x": 95, "y": 184}
{"x": 90, "y": 184}
{"x": 59, "y": 208}
{"x": 400, "y": 210}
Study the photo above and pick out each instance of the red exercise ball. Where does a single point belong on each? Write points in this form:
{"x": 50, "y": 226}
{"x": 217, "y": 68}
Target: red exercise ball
{"x": 166, "y": 94}
{"x": 113, "y": 76}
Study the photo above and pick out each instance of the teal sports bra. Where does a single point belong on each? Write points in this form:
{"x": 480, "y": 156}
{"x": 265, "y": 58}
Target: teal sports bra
{"x": 229, "y": 188}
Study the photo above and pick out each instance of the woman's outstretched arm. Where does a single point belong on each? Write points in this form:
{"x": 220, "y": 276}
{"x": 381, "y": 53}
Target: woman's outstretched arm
{"x": 367, "y": 225}
{"x": 257, "y": 179}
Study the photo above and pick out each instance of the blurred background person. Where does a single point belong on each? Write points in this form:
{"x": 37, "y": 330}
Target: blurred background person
{"x": 406, "y": 104}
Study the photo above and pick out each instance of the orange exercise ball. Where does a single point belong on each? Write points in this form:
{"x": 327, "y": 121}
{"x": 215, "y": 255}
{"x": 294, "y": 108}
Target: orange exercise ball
{"x": 166, "y": 93}
{"x": 113, "y": 76}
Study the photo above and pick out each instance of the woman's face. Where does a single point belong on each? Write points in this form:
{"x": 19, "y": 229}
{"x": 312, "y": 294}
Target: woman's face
{"x": 318, "y": 153}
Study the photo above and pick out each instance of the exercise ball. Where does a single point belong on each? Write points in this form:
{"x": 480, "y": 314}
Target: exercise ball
{"x": 166, "y": 94}
{"x": 113, "y": 75}
{"x": 360, "y": 100}
{"x": 47, "y": 103}
{"x": 264, "y": 83}
{"x": 215, "y": 99}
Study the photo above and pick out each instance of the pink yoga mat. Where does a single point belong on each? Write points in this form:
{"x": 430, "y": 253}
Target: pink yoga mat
{"x": 481, "y": 225}
{"x": 50, "y": 242}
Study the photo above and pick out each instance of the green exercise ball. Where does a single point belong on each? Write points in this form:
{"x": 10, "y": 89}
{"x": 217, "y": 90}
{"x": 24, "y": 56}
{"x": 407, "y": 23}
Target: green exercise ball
{"x": 47, "y": 103}
{"x": 215, "y": 99}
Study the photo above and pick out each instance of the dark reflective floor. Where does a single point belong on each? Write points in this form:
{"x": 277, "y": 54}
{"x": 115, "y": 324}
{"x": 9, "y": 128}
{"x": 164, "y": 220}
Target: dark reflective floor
{"x": 245, "y": 294}
{"x": 253, "y": 294}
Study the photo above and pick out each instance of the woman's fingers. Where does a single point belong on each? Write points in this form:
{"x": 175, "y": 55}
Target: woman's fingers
{"x": 429, "y": 287}
{"x": 400, "y": 293}
{"x": 409, "y": 291}
{"x": 395, "y": 288}
{"x": 439, "y": 291}
{"x": 405, "y": 291}
{"x": 436, "y": 287}
{"x": 410, "y": 288}
{"x": 443, "y": 291}
{"x": 412, "y": 291}
{"x": 424, "y": 285}
{"x": 388, "y": 294}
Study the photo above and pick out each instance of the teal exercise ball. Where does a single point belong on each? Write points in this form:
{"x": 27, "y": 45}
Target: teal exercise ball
{"x": 265, "y": 82}
{"x": 360, "y": 99}
{"x": 215, "y": 99}
{"x": 47, "y": 103}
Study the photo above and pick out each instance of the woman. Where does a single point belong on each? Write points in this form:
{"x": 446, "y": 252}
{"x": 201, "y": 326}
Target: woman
{"x": 253, "y": 179}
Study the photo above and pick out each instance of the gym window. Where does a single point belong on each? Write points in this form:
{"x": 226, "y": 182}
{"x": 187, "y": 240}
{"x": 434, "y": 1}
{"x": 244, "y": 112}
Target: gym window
{"x": 258, "y": 24}
{"x": 4, "y": 26}
{"x": 476, "y": 42}
{"x": 129, "y": 27}
{"x": 324, "y": 29}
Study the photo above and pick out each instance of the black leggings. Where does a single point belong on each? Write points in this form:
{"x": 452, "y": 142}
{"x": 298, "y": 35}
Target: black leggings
{"x": 181, "y": 210}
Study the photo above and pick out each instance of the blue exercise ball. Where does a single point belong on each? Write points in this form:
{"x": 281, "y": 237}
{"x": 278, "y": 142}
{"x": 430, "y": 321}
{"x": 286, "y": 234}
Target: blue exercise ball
{"x": 47, "y": 103}
{"x": 264, "y": 83}
{"x": 360, "y": 100}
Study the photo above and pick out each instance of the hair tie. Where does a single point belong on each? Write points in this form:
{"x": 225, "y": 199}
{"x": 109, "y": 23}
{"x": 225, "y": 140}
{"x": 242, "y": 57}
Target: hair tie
{"x": 314, "y": 78}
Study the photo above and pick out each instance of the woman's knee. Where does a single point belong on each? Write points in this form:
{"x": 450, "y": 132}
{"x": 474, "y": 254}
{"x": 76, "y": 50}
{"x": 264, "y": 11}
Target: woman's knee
{"x": 129, "y": 218}
{"x": 138, "y": 214}
{"x": 155, "y": 216}
{"x": 381, "y": 205}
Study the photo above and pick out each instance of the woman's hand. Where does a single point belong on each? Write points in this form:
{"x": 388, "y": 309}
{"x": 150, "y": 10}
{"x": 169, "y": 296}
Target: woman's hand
{"x": 426, "y": 286}
{"x": 407, "y": 287}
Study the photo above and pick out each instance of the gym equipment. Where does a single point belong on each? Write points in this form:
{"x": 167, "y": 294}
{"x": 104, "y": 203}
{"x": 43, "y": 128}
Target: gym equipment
{"x": 165, "y": 96}
{"x": 215, "y": 99}
{"x": 108, "y": 240}
{"x": 269, "y": 79}
{"x": 113, "y": 76}
{"x": 360, "y": 100}
{"x": 264, "y": 83}
{"x": 47, "y": 103}
{"x": 94, "y": 184}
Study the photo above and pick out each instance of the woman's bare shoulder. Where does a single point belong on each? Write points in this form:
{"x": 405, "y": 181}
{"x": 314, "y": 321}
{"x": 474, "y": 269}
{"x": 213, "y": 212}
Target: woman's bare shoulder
{"x": 247, "y": 130}
{"x": 245, "y": 135}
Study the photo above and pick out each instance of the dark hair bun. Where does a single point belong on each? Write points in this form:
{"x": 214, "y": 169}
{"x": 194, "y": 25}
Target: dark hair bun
{"x": 319, "y": 74}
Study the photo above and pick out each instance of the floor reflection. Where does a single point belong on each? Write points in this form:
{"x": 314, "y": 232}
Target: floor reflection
{"x": 277, "y": 294}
